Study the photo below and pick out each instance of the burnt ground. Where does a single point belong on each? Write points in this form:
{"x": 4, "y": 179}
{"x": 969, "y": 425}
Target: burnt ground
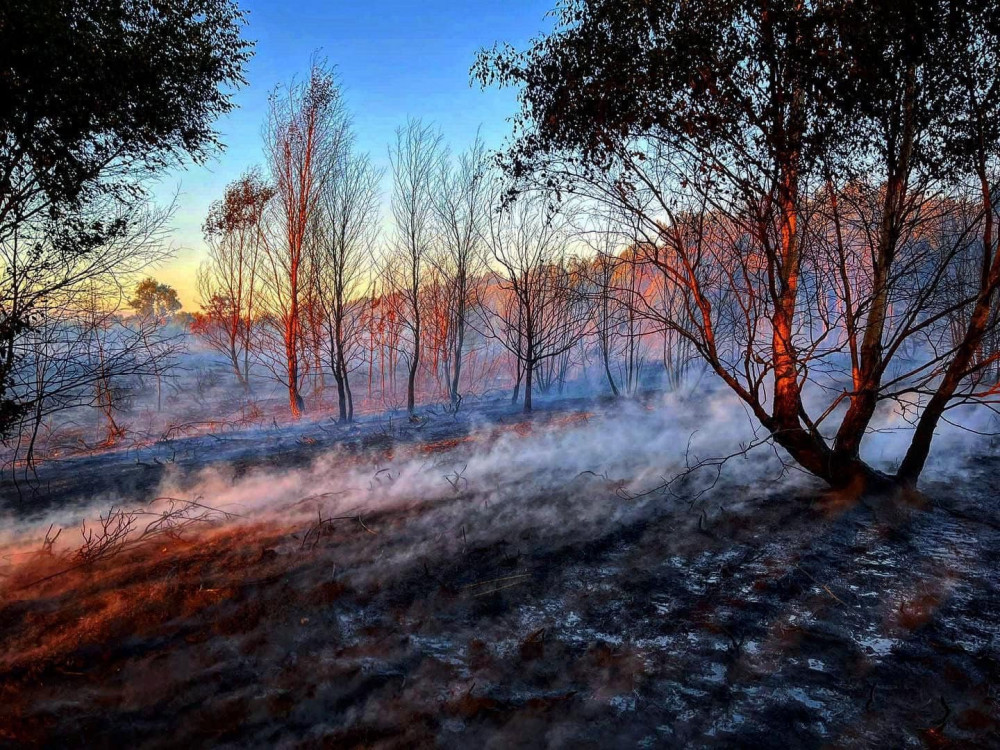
{"x": 530, "y": 613}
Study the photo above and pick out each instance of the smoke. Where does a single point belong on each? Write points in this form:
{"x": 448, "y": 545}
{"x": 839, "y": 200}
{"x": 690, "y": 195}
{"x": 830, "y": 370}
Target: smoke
{"x": 502, "y": 460}
{"x": 563, "y": 470}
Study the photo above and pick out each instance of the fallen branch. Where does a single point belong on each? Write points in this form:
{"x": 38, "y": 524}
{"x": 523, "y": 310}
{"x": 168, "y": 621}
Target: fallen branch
{"x": 821, "y": 585}
{"x": 506, "y": 581}
{"x": 498, "y": 589}
{"x": 114, "y": 533}
{"x": 314, "y": 532}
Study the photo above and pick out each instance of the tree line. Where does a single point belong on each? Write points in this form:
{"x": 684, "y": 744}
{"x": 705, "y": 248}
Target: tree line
{"x": 306, "y": 280}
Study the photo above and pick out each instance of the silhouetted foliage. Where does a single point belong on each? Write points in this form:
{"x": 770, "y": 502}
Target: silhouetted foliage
{"x": 155, "y": 300}
{"x": 96, "y": 95}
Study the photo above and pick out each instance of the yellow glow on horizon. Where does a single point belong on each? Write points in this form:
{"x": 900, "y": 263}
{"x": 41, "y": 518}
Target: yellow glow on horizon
{"x": 181, "y": 273}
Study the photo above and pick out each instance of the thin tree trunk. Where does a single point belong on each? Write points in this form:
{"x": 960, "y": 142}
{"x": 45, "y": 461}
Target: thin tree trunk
{"x": 516, "y": 395}
{"x": 607, "y": 371}
{"x": 868, "y": 378}
{"x": 459, "y": 342}
{"x": 411, "y": 382}
{"x": 295, "y": 403}
{"x": 341, "y": 395}
{"x": 529, "y": 368}
{"x": 350, "y": 399}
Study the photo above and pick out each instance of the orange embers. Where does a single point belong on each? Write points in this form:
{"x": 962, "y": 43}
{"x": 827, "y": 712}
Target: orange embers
{"x": 443, "y": 446}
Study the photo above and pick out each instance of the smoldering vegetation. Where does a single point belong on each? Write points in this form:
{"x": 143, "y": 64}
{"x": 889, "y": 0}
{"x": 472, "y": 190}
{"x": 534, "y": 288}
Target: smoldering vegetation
{"x": 504, "y": 579}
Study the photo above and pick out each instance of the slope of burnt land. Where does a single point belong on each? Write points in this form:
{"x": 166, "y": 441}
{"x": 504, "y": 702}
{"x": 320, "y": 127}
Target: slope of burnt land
{"x": 528, "y": 614}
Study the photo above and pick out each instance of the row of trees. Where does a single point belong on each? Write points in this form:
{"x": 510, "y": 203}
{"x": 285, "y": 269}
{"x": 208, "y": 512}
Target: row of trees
{"x": 302, "y": 281}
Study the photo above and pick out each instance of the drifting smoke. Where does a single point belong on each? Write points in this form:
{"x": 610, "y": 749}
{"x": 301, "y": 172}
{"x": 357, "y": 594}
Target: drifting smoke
{"x": 606, "y": 463}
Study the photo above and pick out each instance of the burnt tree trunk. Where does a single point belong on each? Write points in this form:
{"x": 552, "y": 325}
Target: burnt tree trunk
{"x": 529, "y": 369}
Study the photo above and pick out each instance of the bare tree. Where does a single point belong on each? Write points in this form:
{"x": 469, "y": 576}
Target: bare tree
{"x": 616, "y": 285}
{"x": 461, "y": 206}
{"x": 415, "y": 162}
{"x": 306, "y": 123}
{"x": 51, "y": 268}
{"x": 385, "y": 321}
{"x": 229, "y": 281}
{"x": 535, "y": 310}
{"x": 436, "y": 322}
{"x": 346, "y": 230}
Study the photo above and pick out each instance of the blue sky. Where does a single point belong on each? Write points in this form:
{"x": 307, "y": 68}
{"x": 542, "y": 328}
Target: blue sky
{"x": 395, "y": 59}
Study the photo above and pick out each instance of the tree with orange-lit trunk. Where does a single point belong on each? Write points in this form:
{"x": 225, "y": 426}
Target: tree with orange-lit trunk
{"x": 306, "y": 121}
{"x": 813, "y": 179}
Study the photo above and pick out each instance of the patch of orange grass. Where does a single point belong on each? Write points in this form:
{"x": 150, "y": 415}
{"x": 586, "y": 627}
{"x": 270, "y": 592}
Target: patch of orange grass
{"x": 443, "y": 446}
{"x": 570, "y": 419}
{"x": 126, "y": 596}
{"x": 523, "y": 428}
{"x": 93, "y": 635}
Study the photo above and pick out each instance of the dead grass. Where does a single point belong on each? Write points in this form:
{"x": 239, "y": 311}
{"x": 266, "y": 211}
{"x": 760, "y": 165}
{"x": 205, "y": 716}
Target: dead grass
{"x": 78, "y": 627}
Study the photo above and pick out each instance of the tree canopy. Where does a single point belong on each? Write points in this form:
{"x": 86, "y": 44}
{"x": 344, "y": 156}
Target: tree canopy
{"x": 779, "y": 80}
{"x": 95, "y": 97}
{"x": 726, "y": 132}
{"x": 87, "y": 85}
{"x": 155, "y": 300}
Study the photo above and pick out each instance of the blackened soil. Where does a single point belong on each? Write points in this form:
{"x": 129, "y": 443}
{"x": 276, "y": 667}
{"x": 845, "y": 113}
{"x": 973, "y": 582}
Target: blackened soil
{"x": 786, "y": 621}
{"x": 528, "y": 618}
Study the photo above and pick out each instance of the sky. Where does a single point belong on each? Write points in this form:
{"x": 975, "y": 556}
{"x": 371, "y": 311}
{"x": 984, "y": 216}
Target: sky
{"x": 395, "y": 59}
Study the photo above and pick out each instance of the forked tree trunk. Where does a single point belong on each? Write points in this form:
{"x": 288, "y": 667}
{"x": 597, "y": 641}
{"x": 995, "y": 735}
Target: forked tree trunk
{"x": 867, "y": 376}
{"x": 340, "y": 369}
{"x": 411, "y": 382}
{"x": 295, "y": 402}
{"x": 459, "y": 343}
